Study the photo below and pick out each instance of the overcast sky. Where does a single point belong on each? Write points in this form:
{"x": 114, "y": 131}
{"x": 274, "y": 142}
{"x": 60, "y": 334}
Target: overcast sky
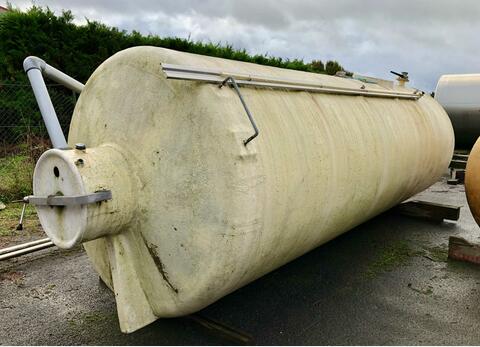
{"x": 372, "y": 37}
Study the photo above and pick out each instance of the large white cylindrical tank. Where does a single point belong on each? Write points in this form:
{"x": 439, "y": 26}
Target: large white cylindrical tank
{"x": 460, "y": 96}
{"x": 195, "y": 213}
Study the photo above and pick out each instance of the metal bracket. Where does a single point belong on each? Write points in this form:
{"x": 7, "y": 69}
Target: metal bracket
{"x": 74, "y": 200}
{"x": 250, "y": 117}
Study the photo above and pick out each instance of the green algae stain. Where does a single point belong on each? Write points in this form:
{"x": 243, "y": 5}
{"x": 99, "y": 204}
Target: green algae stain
{"x": 390, "y": 257}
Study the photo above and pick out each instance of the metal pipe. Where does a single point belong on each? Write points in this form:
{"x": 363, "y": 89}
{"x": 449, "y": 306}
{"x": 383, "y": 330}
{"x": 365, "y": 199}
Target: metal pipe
{"x": 62, "y": 78}
{"x": 35, "y": 68}
{"x": 46, "y": 109}
{"x": 23, "y": 251}
{"x": 20, "y": 223}
{"x": 216, "y": 76}
{"x": 52, "y": 73}
{"x": 24, "y": 245}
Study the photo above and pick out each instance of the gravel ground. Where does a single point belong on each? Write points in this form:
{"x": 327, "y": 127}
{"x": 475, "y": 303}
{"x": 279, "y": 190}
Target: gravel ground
{"x": 385, "y": 282}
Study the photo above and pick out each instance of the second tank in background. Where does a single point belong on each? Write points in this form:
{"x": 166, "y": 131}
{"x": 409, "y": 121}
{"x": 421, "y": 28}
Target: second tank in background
{"x": 460, "y": 97}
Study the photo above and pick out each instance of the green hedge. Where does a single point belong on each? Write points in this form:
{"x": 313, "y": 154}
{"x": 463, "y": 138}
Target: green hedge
{"x": 79, "y": 49}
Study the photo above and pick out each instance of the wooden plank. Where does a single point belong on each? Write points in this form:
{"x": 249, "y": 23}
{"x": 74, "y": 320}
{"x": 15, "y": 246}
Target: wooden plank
{"x": 461, "y": 249}
{"x": 456, "y": 176}
{"x": 429, "y": 210}
{"x": 463, "y": 157}
{"x": 453, "y": 181}
{"x": 460, "y": 175}
{"x": 222, "y": 330}
{"x": 458, "y": 164}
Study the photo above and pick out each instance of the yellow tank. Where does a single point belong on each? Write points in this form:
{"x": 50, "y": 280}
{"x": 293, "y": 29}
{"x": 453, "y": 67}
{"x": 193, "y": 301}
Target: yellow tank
{"x": 472, "y": 181}
{"x": 195, "y": 212}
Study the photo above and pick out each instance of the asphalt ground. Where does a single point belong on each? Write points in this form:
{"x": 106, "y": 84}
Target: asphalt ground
{"x": 386, "y": 282}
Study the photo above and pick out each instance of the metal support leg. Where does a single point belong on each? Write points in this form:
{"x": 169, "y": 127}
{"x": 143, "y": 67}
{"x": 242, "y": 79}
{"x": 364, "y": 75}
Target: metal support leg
{"x": 20, "y": 223}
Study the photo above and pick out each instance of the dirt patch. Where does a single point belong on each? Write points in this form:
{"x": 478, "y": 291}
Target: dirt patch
{"x": 43, "y": 292}
{"x": 436, "y": 253}
{"x": 91, "y": 318}
{"x": 16, "y": 277}
{"x": 425, "y": 291}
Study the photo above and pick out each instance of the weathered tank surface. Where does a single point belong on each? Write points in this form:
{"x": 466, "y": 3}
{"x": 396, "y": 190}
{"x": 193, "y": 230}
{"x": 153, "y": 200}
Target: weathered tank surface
{"x": 460, "y": 96}
{"x": 195, "y": 213}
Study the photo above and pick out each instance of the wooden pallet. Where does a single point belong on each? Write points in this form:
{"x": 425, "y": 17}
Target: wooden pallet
{"x": 429, "y": 210}
{"x": 457, "y": 167}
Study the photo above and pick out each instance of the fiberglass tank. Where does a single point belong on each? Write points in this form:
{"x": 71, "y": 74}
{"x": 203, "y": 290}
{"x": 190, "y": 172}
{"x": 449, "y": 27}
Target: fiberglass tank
{"x": 197, "y": 212}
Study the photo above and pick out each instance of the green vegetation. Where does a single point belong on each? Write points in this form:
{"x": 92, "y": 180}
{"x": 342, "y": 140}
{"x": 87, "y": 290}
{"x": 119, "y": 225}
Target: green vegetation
{"x": 15, "y": 177}
{"x": 17, "y": 165}
{"x": 10, "y": 216}
{"x": 79, "y": 49}
{"x": 399, "y": 253}
{"x": 16, "y": 171}
{"x": 390, "y": 257}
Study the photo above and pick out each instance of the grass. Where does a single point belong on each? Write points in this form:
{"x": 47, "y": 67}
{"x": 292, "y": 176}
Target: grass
{"x": 10, "y": 216}
{"x": 16, "y": 173}
{"x": 17, "y": 165}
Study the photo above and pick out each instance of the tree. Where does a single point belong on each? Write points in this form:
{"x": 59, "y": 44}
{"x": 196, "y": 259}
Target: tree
{"x": 332, "y": 66}
{"x": 317, "y": 66}
{"x": 79, "y": 49}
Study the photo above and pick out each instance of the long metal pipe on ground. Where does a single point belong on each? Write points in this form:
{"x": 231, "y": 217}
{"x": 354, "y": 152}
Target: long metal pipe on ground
{"x": 23, "y": 245}
{"x": 25, "y": 248}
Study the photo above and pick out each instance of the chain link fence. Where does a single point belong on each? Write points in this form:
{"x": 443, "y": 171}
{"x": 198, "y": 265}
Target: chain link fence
{"x": 20, "y": 118}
